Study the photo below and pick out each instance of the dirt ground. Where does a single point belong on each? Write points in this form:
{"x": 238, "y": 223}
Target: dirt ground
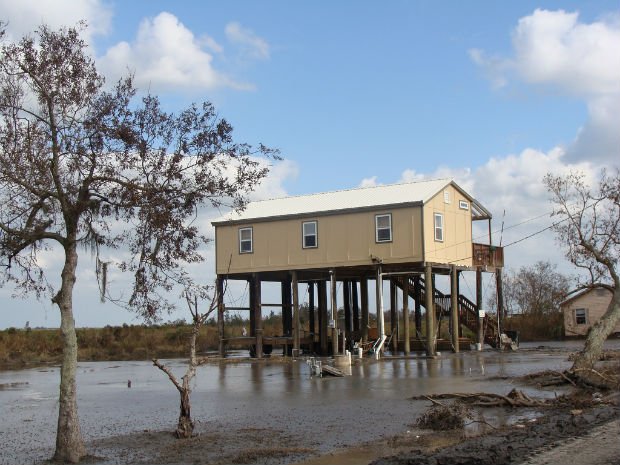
{"x": 557, "y": 434}
{"x": 565, "y": 435}
{"x": 580, "y": 430}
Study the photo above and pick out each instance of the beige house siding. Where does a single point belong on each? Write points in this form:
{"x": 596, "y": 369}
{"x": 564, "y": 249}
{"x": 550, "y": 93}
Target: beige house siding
{"x": 345, "y": 239}
{"x": 595, "y": 303}
{"x": 456, "y": 245}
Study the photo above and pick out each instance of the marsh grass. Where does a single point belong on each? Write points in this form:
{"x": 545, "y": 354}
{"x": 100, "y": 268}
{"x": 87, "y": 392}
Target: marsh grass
{"x": 37, "y": 346}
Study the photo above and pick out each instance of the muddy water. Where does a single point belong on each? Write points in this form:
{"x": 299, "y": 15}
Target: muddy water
{"x": 323, "y": 413}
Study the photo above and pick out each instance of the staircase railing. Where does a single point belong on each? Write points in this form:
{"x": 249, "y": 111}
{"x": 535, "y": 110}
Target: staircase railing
{"x": 468, "y": 310}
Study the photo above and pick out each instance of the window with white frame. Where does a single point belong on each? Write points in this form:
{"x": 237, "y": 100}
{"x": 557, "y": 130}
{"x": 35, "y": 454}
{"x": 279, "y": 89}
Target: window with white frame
{"x": 383, "y": 228}
{"x": 245, "y": 240}
{"x": 309, "y": 231}
{"x": 439, "y": 227}
{"x": 581, "y": 316}
{"x": 446, "y": 196}
{"x": 463, "y": 205}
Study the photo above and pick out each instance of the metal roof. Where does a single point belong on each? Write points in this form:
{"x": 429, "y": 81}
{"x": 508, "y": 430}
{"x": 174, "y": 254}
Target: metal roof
{"x": 351, "y": 199}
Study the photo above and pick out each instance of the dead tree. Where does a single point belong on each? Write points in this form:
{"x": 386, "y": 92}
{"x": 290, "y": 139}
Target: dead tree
{"x": 185, "y": 426}
{"x": 588, "y": 227}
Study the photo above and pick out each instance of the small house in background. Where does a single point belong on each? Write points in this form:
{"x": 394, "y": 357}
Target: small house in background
{"x": 583, "y": 308}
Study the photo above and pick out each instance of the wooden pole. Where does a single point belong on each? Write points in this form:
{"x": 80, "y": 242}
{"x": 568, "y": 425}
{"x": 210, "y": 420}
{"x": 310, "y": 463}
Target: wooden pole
{"x": 311, "y": 324}
{"x": 479, "y": 306}
{"x": 252, "y": 305}
{"x": 220, "y": 315}
{"x": 430, "y": 311}
{"x": 296, "y": 322}
{"x": 394, "y": 316}
{"x": 500, "y": 299}
{"x": 323, "y": 318}
{"x": 406, "y": 346}
{"x": 258, "y": 316}
{"x": 364, "y": 303}
{"x": 348, "y": 317}
{"x": 417, "y": 292}
{"x": 454, "y": 308}
{"x": 379, "y": 299}
{"x": 287, "y": 308}
{"x": 334, "y": 320}
{"x": 356, "y": 307}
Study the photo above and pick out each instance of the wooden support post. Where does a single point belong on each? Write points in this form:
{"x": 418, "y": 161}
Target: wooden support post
{"x": 407, "y": 343}
{"x": 394, "y": 316}
{"x": 379, "y": 299}
{"x": 356, "y": 307}
{"x": 311, "y": 323}
{"x": 417, "y": 292}
{"x": 364, "y": 303}
{"x": 296, "y": 319}
{"x": 323, "y": 317}
{"x": 287, "y": 309}
{"x": 220, "y": 315}
{"x": 430, "y": 311}
{"x": 252, "y": 300}
{"x": 454, "y": 307}
{"x": 500, "y": 302}
{"x": 348, "y": 317}
{"x": 258, "y": 315}
{"x": 334, "y": 319}
{"x": 479, "y": 306}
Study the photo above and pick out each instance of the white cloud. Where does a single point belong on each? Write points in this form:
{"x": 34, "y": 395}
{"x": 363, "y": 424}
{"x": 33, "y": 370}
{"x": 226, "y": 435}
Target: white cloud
{"x": 252, "y": 46}
{"x": 512, "y": 189}
{"x": 24, "y": 16}
{"x": 553, "y": 49}
{"x": 166, "y": 55}
{"x": 369, "y": 182}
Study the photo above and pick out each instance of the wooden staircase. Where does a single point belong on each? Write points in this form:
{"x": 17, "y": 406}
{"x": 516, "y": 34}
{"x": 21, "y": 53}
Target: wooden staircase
{"x": 468, "y": 311}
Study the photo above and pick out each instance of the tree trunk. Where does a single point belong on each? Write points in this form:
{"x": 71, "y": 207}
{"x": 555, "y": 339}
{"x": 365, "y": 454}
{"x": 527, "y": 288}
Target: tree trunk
{"x": 69, "y": 442}
{"x": 185, "y": 427}
{"x": 584, "y": 363}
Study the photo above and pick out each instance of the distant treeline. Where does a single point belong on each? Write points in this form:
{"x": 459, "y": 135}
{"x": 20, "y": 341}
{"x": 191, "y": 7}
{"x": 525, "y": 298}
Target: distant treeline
{"x": 35, "y": 346}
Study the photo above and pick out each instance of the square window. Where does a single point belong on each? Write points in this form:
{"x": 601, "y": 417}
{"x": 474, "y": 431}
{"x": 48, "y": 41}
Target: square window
{"x": 581, "y": 317}
{"x": 383, "y": 228}
{"x": 439, "y": 227}
{"x": 245, "y": 240}
{"x": 463, "y": 205}
{"x": 309, "y": 234}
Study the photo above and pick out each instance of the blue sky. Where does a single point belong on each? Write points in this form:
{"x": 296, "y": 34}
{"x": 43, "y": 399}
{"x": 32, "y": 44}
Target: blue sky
{"x": 494, "y": 94}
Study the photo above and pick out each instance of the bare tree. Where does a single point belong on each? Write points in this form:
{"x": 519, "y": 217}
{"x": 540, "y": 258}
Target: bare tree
{"x": 589, "y": 229}
{"x": 536, "y": 289}
{"x": 534, "y": 293}
{"x": 185, "y": 425}
{"x": 82, "y": 166}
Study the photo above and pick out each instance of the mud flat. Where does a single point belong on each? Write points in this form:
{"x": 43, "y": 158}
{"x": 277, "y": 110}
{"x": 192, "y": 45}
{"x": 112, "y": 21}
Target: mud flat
{"x": 275, "y": 413}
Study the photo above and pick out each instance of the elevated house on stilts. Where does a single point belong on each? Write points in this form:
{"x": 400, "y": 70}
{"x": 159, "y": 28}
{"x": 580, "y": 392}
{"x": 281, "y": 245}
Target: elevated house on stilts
{"x": 335, "y": 243}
